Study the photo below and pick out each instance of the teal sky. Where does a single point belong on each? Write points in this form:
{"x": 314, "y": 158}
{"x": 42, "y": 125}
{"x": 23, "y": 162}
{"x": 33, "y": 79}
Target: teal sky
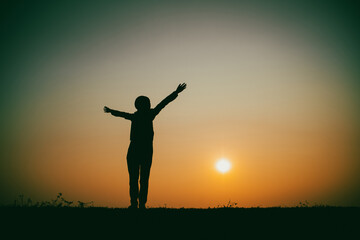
{"x": 253, "y": 67}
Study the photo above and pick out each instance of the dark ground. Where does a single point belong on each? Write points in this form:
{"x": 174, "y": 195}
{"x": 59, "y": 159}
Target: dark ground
{"x": 167, "y": 223}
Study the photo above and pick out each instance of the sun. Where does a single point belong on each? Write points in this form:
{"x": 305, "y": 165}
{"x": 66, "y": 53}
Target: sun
{"x": 223, "y": 165}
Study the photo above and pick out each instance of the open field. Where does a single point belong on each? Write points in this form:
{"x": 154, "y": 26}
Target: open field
{"x": 220, "y": 223}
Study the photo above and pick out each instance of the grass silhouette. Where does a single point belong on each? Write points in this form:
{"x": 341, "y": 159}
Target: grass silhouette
{"x": 229, "y": 221}
{"x": 59, "y": 201}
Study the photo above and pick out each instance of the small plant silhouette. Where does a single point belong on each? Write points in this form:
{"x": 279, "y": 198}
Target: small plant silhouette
{"x": 85, "y": 204}
{"x": 304, "y": 204}
{"x": 59, "y": 201}
{"x": 228, "y": 205}
{"x": 21, "y": 202}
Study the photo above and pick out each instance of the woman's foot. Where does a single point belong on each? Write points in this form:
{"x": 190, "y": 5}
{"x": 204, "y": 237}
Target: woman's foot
{"x": 133, "y": 206}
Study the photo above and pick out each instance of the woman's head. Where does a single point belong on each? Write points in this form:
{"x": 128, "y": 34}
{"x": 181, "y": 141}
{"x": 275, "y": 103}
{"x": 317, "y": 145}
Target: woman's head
{"x": 142, "y": 103}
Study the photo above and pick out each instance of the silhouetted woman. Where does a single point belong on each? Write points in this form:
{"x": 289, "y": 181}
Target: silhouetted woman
{"x": 139, "y": 156}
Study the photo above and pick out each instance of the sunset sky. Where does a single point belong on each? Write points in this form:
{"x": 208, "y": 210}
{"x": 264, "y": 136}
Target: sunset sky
{"x": 272, "y": 87}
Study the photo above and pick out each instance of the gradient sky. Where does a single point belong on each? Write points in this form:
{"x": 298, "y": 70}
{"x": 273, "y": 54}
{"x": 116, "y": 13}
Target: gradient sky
{"x": 273, "y": 87}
